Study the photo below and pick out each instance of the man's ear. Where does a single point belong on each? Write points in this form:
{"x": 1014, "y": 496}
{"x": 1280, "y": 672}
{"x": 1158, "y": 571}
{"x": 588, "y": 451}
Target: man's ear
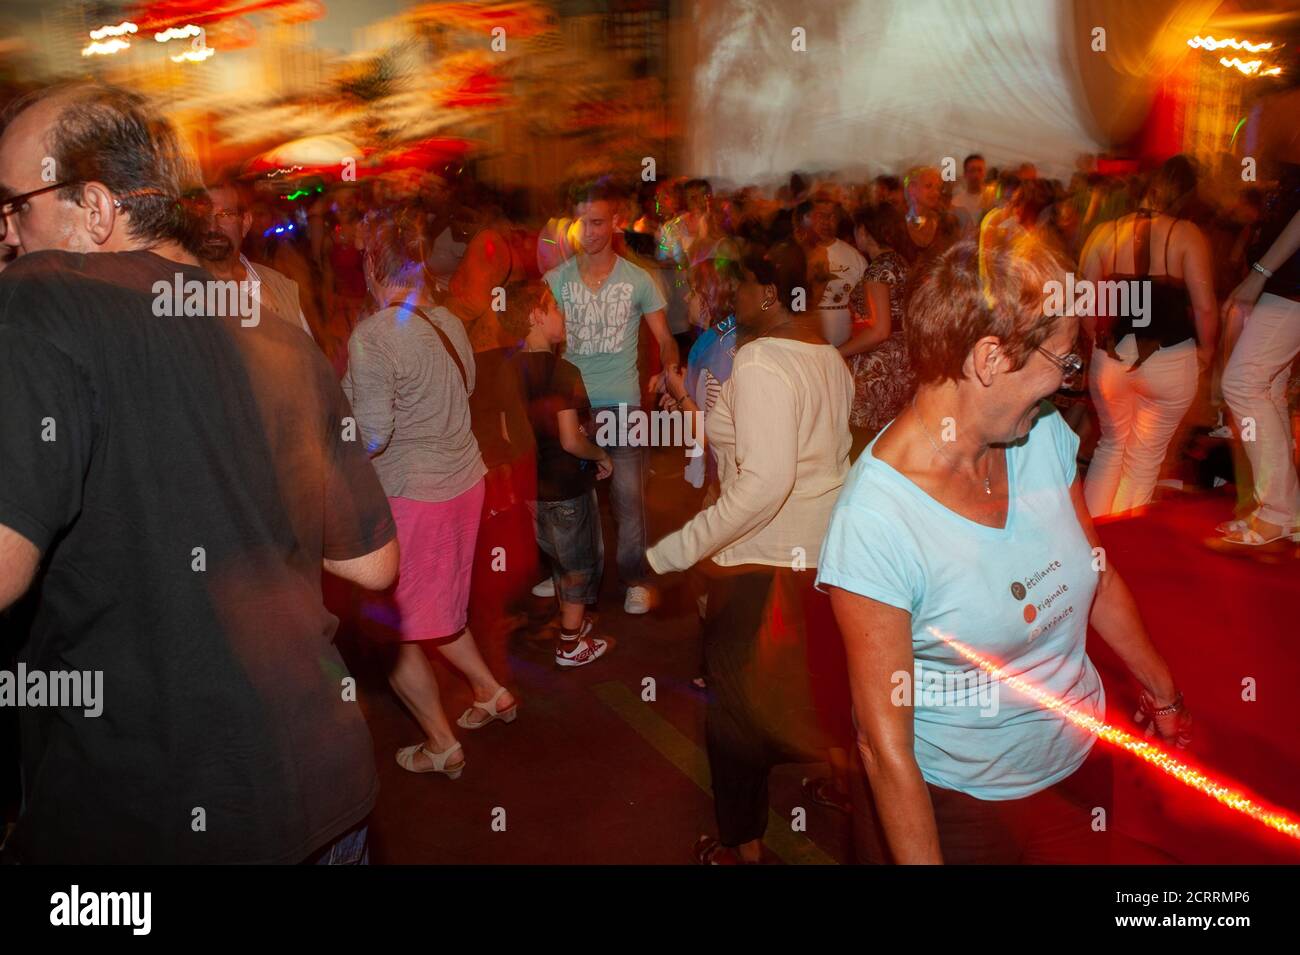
{"x": 98, "y": 214}
{"x": 245, "y": 223}
{"x": 986, "y": 360}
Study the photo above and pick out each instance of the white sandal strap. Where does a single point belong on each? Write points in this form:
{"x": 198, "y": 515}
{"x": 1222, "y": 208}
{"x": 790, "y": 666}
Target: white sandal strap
{"x": 491, "y": 705}
{"x": 440, "y": 759}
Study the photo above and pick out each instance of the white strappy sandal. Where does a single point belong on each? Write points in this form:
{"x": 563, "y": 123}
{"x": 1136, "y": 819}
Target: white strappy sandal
{"x": 490, "y": 708}
{"x": 406, "y": 759}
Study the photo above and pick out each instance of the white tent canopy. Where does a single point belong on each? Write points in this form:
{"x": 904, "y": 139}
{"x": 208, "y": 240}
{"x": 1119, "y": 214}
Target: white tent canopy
{"x": 887, "y": 84}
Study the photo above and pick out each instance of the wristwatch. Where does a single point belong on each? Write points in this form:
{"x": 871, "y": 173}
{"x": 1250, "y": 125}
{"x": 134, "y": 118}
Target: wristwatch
{"x": 1267, "y": 273}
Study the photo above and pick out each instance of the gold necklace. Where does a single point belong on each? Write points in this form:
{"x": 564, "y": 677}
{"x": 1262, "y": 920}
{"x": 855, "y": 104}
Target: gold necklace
{"x": 586, "y": 280}
{"x": 988, "y": 481}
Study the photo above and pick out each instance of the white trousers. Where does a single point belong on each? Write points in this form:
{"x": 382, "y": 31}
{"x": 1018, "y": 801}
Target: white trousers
{"x": 1254, "y": 385}
{"x": 1139, "y": 413}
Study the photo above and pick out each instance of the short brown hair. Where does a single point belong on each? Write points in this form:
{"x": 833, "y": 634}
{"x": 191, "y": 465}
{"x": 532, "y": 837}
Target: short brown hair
{"x": 967, "y": 293}
{"x": 522, "y": 299}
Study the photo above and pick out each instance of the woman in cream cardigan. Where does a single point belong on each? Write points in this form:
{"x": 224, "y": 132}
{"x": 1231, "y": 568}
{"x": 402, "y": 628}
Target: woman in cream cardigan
{"x": 780, "y": 432}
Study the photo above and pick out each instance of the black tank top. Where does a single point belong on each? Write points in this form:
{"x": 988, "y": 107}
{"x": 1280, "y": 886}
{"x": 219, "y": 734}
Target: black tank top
{"x": 1168, "y": 302}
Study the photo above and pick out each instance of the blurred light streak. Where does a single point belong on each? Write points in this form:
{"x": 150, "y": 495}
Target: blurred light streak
{"x": 177, "y": 33}
{"x": 121, "y": 29}
{"x": 194, "y": 56}
{"x": 105, "y": 48}
{"x": 1210, "y": 43}
{"x": 1148, "y": 752}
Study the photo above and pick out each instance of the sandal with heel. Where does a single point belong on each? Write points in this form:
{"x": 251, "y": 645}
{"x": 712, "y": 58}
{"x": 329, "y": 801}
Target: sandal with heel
{"x": 406, "y": 759}
{"x": 490, "y": 708}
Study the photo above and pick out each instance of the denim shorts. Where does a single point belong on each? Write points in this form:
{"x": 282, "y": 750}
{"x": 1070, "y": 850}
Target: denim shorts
{"x": 568, "y": 532}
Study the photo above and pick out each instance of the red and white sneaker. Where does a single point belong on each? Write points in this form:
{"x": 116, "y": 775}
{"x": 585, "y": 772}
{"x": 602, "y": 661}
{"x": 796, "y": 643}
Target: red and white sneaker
{"x": 580, "y": 651}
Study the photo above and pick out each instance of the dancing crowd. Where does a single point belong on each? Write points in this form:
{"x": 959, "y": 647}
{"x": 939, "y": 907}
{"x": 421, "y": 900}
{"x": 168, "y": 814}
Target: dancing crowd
{"x": 894, "y": 455}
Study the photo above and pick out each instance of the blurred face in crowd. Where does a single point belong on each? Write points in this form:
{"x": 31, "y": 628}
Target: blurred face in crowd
{"x": 595, "y": 226}
{"x": 434, "y": 191}
{"x": 1015, "y": 399}
{"x": 712, "y": 297}
{"x": 923, "y": 191}
{"x": 263, "y": 218}
{"x": 750, "y": 297}
{"x": 225, "y": 224}
{"x": 824, "y": 221}
{"x": 880, "y": 192}
{"x": 697, "y": 201}
{"x": 44, "y": 221}
{"x": 666, "y": 201}
{"x": 975, "y": 170}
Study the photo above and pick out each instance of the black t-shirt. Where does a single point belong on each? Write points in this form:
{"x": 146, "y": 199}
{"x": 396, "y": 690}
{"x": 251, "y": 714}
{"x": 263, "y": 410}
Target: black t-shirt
{"x": 183, "y": 478}
{"x": 551, "y": 385}
{"x": 496, "y": 393}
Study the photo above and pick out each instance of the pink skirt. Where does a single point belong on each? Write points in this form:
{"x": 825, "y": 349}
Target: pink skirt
{"x": 431, "y": 599}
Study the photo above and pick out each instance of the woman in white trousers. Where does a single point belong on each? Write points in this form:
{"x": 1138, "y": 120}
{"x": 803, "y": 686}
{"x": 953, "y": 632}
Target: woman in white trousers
{"x": 1254, "y": 385}
{"x": 1146, "y": 364}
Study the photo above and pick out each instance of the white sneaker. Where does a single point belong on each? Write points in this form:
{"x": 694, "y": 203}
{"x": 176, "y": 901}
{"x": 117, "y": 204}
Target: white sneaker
{"x": 638, "y": 600}
{"x": 581, "y": 650}
{"x": 545, "y": 588}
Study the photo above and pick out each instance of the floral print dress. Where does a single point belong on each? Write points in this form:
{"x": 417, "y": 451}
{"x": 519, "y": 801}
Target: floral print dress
{"x": 883, "y": 379}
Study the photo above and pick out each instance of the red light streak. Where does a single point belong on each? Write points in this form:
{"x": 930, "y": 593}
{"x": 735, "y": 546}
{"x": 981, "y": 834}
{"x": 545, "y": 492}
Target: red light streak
{"x": 1148, "y": 752}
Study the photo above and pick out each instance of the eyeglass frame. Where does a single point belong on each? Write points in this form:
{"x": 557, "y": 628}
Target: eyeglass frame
{"x": 1071, "y": 365}
{"x": 13, "y": 206}
{"x": 199, "y": 201}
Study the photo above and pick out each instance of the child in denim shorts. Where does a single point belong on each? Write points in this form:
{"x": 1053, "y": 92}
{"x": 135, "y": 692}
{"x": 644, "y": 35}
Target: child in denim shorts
{"x": 569, "y": 463}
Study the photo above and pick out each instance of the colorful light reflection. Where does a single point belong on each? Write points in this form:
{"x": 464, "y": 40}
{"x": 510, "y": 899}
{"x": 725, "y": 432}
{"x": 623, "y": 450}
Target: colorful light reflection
{"x": 1148, "y": 752}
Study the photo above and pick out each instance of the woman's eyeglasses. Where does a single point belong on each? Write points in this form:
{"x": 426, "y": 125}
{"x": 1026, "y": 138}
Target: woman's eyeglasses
{"x": 1071, "y": 366}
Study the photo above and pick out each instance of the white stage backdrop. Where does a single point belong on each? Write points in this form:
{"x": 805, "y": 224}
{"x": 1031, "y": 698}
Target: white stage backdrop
{"x": 883, "y": 85}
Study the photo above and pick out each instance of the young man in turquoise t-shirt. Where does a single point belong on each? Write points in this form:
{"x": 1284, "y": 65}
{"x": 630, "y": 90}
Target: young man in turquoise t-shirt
{"x": 604, "y": 298}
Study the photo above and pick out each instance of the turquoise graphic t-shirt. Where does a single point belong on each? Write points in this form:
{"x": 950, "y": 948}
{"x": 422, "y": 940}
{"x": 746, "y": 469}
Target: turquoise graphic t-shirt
{"x": 1019, "y": 595}
{"x": 602, "y": 327}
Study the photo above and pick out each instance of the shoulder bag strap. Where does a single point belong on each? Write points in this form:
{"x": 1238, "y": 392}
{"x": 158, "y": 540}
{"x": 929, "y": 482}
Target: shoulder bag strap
{"x": 446, "y": 343}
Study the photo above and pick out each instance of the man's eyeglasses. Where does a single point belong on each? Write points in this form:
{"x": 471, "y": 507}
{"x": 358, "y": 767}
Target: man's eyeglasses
{"x": 1071, "y": 366}
{"x": 201, "y": 207}
{"x": 18, "y": 204}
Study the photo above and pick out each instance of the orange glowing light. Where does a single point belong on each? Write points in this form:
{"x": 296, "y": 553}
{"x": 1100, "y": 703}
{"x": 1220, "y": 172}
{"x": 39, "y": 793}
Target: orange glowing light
{"x": 1148, "y": 752}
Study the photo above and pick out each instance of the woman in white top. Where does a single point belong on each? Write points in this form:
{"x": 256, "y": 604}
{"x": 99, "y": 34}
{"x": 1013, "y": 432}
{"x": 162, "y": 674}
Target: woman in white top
{"x": 780, "y": 431}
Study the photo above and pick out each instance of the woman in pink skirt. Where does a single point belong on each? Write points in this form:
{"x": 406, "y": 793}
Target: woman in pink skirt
{"x": 410, "y": 374}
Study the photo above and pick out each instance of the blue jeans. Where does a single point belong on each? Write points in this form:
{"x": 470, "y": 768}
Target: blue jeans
{"x": 627, "y": 501}
{"x": 351, "y": 848}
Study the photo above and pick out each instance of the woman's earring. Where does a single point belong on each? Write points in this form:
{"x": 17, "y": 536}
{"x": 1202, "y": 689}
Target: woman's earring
{"x": 768, "y": 304}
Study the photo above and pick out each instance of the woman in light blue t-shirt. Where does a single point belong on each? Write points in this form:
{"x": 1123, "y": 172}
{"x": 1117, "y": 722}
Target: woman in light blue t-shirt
{"x": 962, "y": 531}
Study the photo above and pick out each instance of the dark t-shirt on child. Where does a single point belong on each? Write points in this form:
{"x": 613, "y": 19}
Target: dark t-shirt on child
{"x": 551, "y": 385}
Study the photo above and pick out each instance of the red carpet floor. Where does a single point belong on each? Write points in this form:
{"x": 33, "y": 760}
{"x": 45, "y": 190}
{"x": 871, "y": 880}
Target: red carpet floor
{"x": 593, "y": 772}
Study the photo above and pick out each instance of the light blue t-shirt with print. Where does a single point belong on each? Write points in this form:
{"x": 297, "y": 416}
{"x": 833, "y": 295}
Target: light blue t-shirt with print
{"x": 602, "y": 327}
{"x": 708, "y": 367}
{"x": 1019, "y": 596}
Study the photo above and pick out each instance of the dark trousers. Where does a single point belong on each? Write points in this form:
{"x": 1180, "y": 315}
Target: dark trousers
{"x": 1060, "y": 825}
{"x": 777, "y": 687}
